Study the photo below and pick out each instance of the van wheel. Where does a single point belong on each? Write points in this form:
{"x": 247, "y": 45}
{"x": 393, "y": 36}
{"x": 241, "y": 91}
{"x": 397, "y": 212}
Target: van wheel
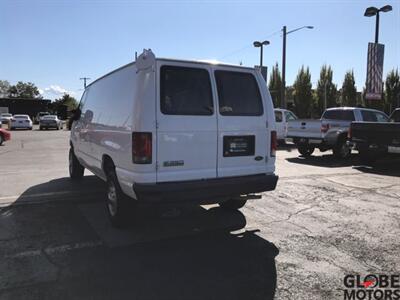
{"x": 118, "y": 204}
{"x": 341, "y": 150}
{"x": 233, "y": 203}
{"x": 75, "y": 168}
{"x": 305, "y": 150}
{"x": 1, "y": 139}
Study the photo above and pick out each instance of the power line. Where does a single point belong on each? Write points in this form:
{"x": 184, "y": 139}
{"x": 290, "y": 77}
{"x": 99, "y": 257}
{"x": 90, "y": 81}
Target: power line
{"x": 247, "y": 47}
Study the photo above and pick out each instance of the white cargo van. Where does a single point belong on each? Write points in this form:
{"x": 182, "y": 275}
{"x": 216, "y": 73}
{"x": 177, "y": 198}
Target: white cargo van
{"x": 173, "y": 130}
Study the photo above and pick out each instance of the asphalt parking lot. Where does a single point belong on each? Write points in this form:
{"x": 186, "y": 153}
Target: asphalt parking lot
{"x": 327, "y": 218}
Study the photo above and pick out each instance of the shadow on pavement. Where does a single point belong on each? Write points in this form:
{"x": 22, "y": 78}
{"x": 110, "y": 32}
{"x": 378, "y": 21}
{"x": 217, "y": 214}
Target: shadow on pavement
{"x": 326, "y": 160}
{"x": 386, "y": 166}
{"x": 180, "y": 252}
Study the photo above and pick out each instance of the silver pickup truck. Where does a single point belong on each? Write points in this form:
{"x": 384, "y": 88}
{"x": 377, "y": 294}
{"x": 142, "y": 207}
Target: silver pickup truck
{"x": 330, "y": 132}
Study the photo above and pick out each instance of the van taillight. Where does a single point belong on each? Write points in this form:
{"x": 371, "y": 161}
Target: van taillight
{"x": 274, "y": 143}
{"x": 324, "y": 128}
{"x": 141, "y": 147}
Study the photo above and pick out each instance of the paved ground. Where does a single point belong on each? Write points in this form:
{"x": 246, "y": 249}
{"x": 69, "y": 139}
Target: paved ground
{"x": 326, "y": 219}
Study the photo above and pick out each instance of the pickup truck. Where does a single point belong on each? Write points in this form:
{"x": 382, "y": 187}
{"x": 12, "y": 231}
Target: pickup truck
{"x": 374, "y": 140}
{"x": 330, "y": 132}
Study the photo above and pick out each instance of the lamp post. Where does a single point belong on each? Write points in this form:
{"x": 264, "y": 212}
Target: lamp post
{"x": 373, "y": 11}
{"x": 260, "y": 45}
{"x": 284, "y": 34}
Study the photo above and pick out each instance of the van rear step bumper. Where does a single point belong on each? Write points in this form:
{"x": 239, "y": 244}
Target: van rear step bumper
{"x": 205, "y": 191}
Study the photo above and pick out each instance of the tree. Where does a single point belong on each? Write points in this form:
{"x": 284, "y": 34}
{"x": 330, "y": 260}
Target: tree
{"x": 67, "y": 101}
{"x": 4, "y": 87}
{"x": 275, "y": 85}
{"x": 349, "y": 90}
{"x": 24, "y": 90}
{"x": 303, "y": 93}
{"x": 392, "y": 90}
{"x": 325, "y": 88}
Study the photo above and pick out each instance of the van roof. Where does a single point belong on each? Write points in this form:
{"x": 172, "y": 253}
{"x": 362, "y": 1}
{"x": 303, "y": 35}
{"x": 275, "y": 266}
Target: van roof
{"x": 200, "y": 62}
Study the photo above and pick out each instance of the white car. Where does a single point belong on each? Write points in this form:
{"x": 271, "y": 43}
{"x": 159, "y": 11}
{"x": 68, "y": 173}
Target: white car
{"x": 21, "y": 121}
{"x": 282, "y": 116}
{"x": 50, "y": 121}
{"x": 165, "y": 130}
{"x": 5, "y": 118}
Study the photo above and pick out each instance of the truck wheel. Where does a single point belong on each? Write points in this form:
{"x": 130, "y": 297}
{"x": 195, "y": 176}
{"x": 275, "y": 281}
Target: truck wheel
{"x": 233, "y": 203}
{"x": 117, "y": 204}
{"x": 342, "y": 150}
{"x": 305, "y": 150}
{"x": 75, "y": 168}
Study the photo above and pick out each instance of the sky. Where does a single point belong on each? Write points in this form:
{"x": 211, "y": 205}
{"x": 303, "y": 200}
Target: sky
{"x": 54, "y": 43}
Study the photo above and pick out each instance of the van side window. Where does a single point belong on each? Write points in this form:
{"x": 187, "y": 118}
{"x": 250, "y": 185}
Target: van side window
{"x": 238, "y": 94}
{"x": 278, "y": 116}
{"x": 185, "y": 91}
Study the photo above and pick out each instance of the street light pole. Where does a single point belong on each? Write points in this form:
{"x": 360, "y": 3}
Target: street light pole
{"x": 373, "y": 11}
{"x": 377, "y": 28}
{"x": 261, "y": 45}
{"x": 283, "y": 87}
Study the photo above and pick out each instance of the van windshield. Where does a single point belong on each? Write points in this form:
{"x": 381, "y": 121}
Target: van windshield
{"x": 238, "y": 94}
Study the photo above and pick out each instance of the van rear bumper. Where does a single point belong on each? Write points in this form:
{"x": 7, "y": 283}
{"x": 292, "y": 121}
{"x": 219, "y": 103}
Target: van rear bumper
{"x": 205, "y": 191}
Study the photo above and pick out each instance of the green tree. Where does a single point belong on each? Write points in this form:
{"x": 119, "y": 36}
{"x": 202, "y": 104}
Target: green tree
{"x": 303, "y": 93}
{"x": 66, "y": 100}
{"x": 349, "y": 90}
{"x": 325, "y": 88}
{"x": 24, "y": 90}
{"x": 392, "y": 90}
{"x": 4, "y": 87}
{"x": 275, "y": 85}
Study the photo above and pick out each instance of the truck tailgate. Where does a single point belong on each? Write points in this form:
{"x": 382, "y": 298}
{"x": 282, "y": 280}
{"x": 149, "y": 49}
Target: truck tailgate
{"x": 376, "y": 133}
{"x": 306, "y": 128}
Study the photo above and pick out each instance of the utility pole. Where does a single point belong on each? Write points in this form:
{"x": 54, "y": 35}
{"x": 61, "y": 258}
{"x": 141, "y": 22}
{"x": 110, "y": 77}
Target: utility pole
{"x": 84, "y": 81}
{"x": 283, "y": 87}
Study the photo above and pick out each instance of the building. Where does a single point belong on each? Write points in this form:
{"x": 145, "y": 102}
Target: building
{"x": 28, "y": 106}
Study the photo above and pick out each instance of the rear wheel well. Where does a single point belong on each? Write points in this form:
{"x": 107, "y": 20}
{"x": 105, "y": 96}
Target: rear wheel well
{"x": 107, "y": 164}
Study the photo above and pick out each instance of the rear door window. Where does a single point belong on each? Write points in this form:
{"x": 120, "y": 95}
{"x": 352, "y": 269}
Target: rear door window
{"x": 238, "y": 94}
{"x": 340, "y": 114}
{"x": 185, "y": 91}
{"x": 395, "y": 117}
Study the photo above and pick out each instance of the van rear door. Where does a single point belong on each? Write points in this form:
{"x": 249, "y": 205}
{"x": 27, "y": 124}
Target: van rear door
{"x": 243, "y": 133}
{"x": 186, "y": 123}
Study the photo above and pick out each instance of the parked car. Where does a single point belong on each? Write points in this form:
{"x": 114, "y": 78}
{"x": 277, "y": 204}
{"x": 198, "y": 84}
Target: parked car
{"x": 376, "y": 139}
{"x": 21, "y": 121}
{"x": 176, "y": 131}
{"x": 5, "y": 118}
{"x": 282, "y": 116}
{"x": 40, "y": 115}
{"x": 50, "y": 121}
{"x": 330, "y": 132}
{"x": 4, "y": 136}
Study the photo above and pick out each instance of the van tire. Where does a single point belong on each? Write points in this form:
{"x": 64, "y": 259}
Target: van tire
{"x": 118, "y": 205}
{"x": 76, "y": 170}
{"x": 305, "y": 150}
{"x": 233, "y": 203}
{"x": 1, "y": 139}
